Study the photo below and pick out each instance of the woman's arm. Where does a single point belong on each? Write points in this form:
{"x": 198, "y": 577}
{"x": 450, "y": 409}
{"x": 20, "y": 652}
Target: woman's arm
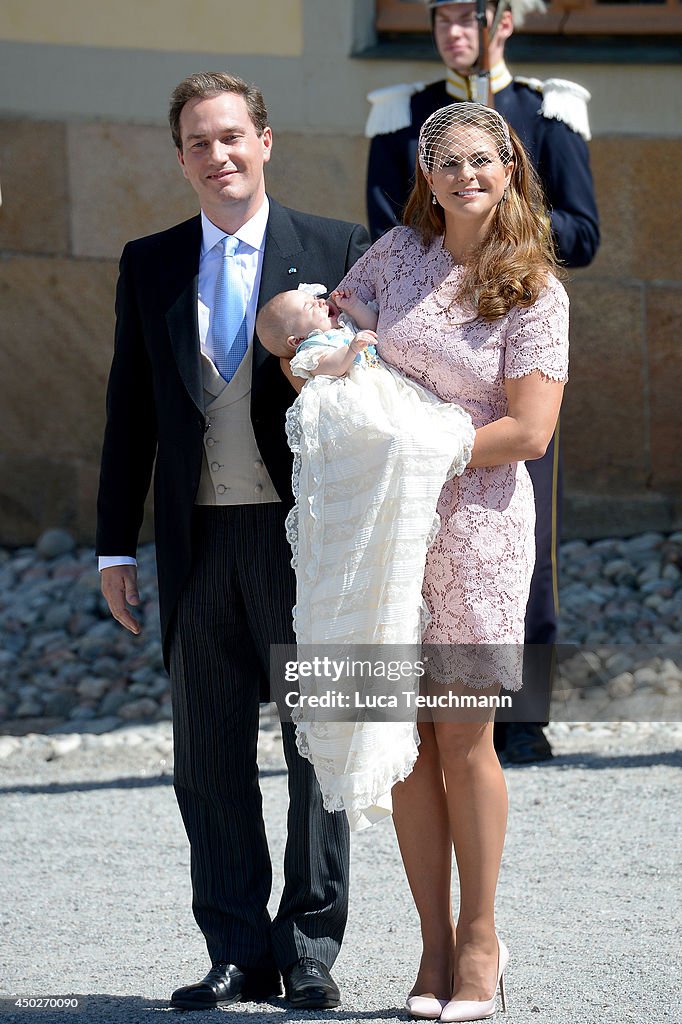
{"x": 296, "y": 382}
{"x": 524, "y": 433}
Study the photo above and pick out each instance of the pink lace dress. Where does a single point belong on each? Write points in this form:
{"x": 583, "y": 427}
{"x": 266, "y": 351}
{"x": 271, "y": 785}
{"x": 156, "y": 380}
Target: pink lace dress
{"x": 478, "y": 570}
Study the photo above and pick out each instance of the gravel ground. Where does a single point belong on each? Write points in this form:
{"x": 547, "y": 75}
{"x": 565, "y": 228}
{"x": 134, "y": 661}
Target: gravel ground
{"x": 95, "y": 895}
{"x": 66, "y": 665}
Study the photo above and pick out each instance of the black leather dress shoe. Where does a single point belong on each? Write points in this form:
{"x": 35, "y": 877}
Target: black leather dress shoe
{"x": 526, "y": 744}
{"x": 308, "y": 985}
{"x": 224, "y": 984}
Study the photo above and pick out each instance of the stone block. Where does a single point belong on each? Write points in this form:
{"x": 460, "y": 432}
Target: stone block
{"x": 86, "y": 501}
{"x": 125, "y": 182}
{"x": 58, "y": 314}
{"x": 321, "y": 174}
{"x": 35, "y": 494}
{"x": 613, "y": 184}
{"x": 604, "y": 423}
{"x": 590, "y": 516}
{"x": 640, "y": 237}
{"x": 657, "y": 221}
{"x": 665, "y": 385}
{"x": 34, "y": 216}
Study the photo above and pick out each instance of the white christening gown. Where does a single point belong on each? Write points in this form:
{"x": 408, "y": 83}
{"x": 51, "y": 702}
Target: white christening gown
{"x": 372, "y": 451}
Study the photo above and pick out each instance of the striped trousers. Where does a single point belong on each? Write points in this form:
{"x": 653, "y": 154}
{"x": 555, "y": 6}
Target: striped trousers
{"x": 236, "y": 602}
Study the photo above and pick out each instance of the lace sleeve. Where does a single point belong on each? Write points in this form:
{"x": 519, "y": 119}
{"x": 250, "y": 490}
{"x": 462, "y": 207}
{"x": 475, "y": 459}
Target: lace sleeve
{"x": 364, "y": 276}
{"x": 537, "y": 338}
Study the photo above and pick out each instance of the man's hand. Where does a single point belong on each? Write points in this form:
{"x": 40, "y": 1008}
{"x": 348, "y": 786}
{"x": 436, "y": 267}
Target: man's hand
{"x": 119, "y": 586}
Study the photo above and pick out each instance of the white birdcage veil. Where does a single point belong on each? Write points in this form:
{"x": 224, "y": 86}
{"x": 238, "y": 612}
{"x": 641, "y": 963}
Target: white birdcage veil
{"x": 463, "y": 131}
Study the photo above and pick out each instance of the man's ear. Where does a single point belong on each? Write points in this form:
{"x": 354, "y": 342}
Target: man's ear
{"x": 266, "y": 143}
{"x": 181, "y": 161}
{"x": 292, "y": 342}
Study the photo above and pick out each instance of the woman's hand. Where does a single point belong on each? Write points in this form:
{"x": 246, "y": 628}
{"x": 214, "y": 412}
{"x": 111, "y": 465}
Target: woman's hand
{"x": 524, "y": 433}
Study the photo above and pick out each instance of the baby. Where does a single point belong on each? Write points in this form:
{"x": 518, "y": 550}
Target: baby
{"x": 371, "y": 451}
{"x": 330, "y": 333}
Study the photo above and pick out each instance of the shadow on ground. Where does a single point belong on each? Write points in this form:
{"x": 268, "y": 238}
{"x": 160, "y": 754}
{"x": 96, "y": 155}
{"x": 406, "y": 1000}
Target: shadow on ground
{"x": 125, "y": 1009}
{"x": 125, "y": 782}
{"x": 601, "y": 762}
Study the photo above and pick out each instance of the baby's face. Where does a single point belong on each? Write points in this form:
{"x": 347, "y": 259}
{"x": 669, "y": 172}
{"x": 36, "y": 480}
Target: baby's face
{"x": 311, "y": 314}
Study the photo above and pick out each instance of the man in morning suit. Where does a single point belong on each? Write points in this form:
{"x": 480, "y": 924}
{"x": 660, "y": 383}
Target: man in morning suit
{"x": 192, "y": 387}
{"x": 551, "y": 119}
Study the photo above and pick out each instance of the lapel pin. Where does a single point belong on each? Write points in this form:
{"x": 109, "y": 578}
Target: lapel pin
{"x": 292, "y": 270}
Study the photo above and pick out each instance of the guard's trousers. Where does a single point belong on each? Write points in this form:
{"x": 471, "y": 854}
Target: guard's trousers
{"x": 532, "y": 703}
{"x": 238, "y": 601}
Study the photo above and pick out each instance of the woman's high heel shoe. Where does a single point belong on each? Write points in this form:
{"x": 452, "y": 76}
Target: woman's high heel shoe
{"x": 425, "y": 1007}
{"x": 473, "y": 1009}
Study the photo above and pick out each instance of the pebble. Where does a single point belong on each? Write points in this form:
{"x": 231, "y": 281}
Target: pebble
{"x": 8, "y": 745}
{"x": 137, "y": 710}
{"x": 68, "y": 670}
{"x": 53, "y": 543}
{"x": 63, "y": 745}
{"x": 622, "y": 685}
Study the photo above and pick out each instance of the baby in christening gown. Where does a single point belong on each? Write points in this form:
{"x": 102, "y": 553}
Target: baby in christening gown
{"x": 372, "y": 451}
{"x": 325, "y": 335}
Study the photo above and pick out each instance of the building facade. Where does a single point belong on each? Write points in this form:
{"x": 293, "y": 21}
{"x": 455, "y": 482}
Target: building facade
{"x": 86, "y": 163}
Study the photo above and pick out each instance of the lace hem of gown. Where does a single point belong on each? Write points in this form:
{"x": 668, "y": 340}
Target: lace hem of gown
{"x": 363, "y": 789}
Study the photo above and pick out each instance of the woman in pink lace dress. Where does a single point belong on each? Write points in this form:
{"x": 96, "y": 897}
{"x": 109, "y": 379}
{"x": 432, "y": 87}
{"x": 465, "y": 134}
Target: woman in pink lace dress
{"x": 470, "y": 308}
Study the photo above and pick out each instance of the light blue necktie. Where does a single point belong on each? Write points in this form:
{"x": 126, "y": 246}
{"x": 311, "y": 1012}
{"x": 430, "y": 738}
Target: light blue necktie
{"x": 228, "y": 329}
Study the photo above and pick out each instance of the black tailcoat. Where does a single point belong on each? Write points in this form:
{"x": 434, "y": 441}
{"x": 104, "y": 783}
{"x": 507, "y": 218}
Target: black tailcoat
{"x": 155, "y": 401}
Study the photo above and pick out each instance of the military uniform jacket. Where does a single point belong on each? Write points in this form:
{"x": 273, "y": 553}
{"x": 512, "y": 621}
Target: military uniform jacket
{"x": 559, "y": 154}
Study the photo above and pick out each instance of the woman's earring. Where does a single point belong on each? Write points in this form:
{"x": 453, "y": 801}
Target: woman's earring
{"x": 434, "y": 201}
{"x": 505, "y": 196}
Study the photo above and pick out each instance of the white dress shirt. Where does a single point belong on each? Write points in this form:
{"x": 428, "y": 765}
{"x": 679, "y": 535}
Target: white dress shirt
{"x": 249, "y": 258}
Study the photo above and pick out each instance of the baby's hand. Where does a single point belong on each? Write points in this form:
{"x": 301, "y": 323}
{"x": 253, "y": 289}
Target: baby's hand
{"x": 346, "y": 299}
{"x": 361, "y": 340}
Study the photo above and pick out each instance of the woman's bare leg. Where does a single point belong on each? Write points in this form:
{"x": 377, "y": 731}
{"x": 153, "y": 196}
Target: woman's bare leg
{"x": 477, "y": 806}
{"x": 420, "y": 814}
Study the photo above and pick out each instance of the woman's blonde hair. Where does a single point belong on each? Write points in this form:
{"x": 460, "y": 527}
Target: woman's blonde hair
{"x": 510, "y": 266}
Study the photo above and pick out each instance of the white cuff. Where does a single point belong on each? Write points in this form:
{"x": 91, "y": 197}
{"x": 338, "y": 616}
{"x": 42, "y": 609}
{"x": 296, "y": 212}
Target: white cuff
{"x": 108, "y": 561}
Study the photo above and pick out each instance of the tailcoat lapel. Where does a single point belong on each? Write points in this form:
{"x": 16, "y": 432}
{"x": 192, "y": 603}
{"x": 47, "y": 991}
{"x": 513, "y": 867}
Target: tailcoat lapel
{"x": 283, "y": 247}
{"x": 280, "y": 264}
{"x": 182, "y": 275}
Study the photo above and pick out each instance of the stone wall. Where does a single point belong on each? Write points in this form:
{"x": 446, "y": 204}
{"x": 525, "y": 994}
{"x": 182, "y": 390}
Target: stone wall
{"x": 74, "y": 192}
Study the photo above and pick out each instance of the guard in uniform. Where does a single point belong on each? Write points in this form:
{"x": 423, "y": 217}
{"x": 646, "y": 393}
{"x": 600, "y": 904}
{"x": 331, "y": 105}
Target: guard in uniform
{"x": 551, "y": 119}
